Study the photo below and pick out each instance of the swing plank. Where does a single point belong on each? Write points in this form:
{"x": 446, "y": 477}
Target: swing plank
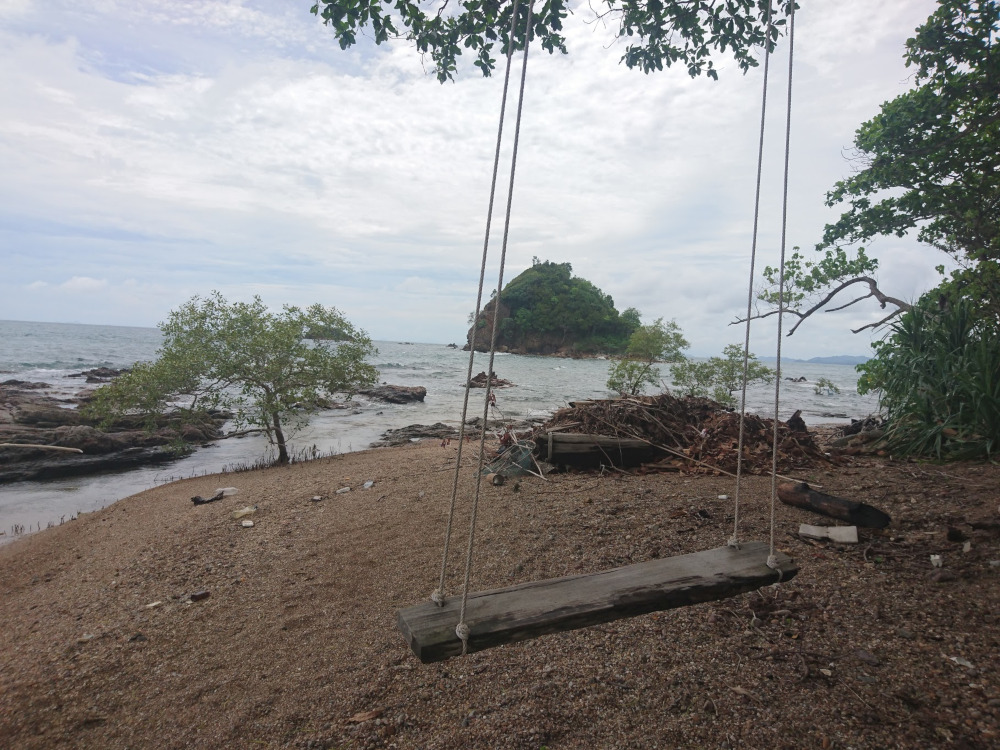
{"x": 533, "y": 609}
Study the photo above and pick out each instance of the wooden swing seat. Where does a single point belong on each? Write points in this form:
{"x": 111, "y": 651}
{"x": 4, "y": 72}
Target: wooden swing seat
{"x": 533, "y": 609}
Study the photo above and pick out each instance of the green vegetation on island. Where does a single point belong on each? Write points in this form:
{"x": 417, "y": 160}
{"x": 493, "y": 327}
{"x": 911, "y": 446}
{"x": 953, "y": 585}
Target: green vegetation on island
{"x": 547, "y": 310}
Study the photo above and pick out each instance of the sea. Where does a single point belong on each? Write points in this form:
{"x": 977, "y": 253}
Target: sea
{"x": 52, "y": 352}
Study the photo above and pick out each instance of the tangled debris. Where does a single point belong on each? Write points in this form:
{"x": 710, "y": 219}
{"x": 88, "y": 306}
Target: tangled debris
{"x": 693, "y": 435}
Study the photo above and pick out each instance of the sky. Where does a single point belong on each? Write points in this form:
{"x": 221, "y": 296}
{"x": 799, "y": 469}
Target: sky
{"x": 153, "y": 151}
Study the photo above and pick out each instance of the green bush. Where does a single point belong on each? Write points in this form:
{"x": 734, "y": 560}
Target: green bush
{"x": 938, "y": 374}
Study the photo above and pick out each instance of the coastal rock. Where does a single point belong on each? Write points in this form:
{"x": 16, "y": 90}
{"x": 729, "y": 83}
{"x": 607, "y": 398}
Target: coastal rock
{"x": 479, "y": 381}
{"x": 99, "y": 374}
{"x": 396, "y": 394}
{"x": 28, "y": 417}
{"x": 52, "y": 466}
{"x": 47, "y": 413}
{"x": 438, "y": 430}
{"x": 25, "y": 385}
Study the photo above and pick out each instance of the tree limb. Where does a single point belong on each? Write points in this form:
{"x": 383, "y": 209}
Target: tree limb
{"x": 874, "y": 291}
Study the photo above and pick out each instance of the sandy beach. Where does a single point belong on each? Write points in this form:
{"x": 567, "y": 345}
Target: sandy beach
{"x": 290, "y": 639}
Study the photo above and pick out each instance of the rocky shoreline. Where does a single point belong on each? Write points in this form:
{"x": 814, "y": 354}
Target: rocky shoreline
{"x": 34, "y": 422}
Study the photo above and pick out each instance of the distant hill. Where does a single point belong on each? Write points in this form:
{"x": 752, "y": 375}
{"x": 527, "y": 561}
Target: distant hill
{"x": 839, "y": 359}
{"x": 547, "y": 310}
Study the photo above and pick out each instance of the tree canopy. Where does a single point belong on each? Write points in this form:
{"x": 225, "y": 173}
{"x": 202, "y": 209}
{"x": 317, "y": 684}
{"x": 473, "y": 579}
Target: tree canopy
{"x": 656, "y": 342}
{"x": 719, "y": 377}
{"x": 239, "y": 356}
{"x": 660, "y": 33}
{"x": 545, "y": 308}
{"x": 928, "y": 164}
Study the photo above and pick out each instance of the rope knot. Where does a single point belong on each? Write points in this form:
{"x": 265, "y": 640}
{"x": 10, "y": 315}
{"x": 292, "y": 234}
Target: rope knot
{"x": 772, "y": 563}
{"x": 734, "y": 542}
{"x": 437, "y": 596}
{"x": 462, "y": 631}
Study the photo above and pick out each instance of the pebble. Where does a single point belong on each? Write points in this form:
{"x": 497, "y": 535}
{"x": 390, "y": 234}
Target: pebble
{"x": 368, "y": 485}
{"x": 904, "y": 633}
{"x": 198, "y": 596}
{"x": 343, "y": 490}
{"x": 247, "y": 524}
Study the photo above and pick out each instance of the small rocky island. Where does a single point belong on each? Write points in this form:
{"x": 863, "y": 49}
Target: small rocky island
{"x": 547, "y": 310}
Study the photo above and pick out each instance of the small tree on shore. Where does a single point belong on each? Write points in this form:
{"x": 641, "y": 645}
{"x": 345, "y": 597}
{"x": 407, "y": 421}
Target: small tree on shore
{"x": 657, "y": 342}
{"x": 719, "y": 377}
{"x": 264, "y": 367}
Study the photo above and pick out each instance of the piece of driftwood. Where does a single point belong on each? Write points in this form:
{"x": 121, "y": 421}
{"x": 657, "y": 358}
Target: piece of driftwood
{"x": 801, "y": 495}
{"x": 841, "y": 534}
{"x": 582, "y": 450}
{"x": 46, "y": 447}
{"x": 529, "y": 610}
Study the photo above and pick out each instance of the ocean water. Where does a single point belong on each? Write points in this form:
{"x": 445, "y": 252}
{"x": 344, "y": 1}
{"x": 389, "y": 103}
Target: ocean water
{"x": 51, "y": 352}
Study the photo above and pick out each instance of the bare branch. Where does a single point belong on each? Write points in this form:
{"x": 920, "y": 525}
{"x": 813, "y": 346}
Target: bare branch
{"x": 884, "y": 320}
{"x": 874, "y": 291}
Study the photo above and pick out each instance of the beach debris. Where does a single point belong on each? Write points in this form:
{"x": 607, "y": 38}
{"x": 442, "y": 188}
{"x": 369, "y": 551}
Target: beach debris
{"x": 363, "y": 716}
{"x": 514, "y": 460}
{"x": 368, "y": 485}
{"x": 696, "y": 435}
{"x": 153, "y": 605}
{"x": 199, "y": 500}
{"x": 803, "y": 496}
{"x": 316, "y": 498}
{"x": 227, "y": 491}
{"x": 343, "y": 490}
{"x": 247, "y": 524}
{"x": 961, "y": 662}
{"x": 247, "y": 511}
{"x": 198, "y": 596}
{"x": 138, "y": 638}
{"x": 840, "y": 534}
{"x": 495, "y": 479}
{"x": 936, "y": 561}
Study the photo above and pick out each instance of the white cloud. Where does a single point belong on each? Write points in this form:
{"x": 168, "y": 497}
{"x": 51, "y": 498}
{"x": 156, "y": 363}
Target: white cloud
{"x": 84, "y": 284}
{"x": 242, "y": 151}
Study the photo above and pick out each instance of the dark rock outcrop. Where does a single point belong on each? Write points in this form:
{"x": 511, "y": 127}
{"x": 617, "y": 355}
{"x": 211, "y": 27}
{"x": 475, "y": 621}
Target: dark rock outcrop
{"x": 410, "y": 433}
{"x": 479, "y": 381}
{"x": 396, "y": 394}
{"x": 30, "y": 417}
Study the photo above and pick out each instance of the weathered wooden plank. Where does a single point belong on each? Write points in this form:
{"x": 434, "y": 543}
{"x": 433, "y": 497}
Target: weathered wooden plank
{"x": 578, "y": 449}
{"x": 803, "y": 496}
{"x": 537, "y": 608}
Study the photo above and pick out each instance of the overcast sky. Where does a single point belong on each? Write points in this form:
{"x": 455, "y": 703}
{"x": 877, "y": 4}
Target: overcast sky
{"x": 154, "y": 150}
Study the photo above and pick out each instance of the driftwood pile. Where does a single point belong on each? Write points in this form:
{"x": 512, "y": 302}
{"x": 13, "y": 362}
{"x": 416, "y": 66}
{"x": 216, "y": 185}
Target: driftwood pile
{"x": 690, "y": 434}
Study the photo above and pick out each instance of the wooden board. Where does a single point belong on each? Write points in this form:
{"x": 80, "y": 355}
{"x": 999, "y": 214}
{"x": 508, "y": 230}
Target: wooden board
{"x": 580, "y": 449}
{"x": 537, "y": 608}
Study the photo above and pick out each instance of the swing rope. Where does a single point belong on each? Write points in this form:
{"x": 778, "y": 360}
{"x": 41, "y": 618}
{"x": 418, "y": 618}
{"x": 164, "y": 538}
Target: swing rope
{"x": 772, "y": 559}
{"x": 438, "y": 596}
{"x": 462, "y": 629}
{"x": 735, "y": 541}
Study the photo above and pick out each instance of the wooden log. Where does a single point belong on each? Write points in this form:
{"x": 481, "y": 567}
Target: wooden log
{"x": 801, "y": 495}
{"x": 534, "y": 609}
{"x": 577, "y": 449}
